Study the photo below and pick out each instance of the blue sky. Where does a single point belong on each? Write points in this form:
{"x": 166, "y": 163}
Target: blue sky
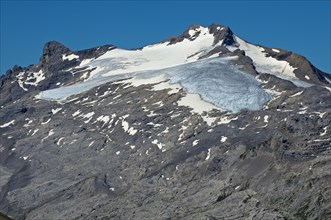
{"x": 300, "y": 26}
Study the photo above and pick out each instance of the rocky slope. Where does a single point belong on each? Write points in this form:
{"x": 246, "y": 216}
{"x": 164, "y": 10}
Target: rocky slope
{"x": 199, "y": 126}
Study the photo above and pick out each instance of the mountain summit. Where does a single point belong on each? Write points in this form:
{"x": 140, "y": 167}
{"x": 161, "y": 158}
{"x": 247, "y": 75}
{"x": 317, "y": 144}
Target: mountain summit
{"x": 204, "y": 125}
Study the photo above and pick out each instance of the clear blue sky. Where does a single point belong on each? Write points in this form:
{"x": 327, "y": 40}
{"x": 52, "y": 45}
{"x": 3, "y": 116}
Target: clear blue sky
{"x": 299, "y": 26}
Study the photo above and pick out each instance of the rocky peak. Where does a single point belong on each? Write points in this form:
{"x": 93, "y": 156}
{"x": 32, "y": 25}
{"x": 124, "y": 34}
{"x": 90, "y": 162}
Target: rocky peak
{"x": 221, "y": 32}
{"x": 52, "y": 56}
{"x": 192, "y": 30}
{"x": 53, "y": 50}
{"x": 187, "y": 34}
{"x": 17, "y": 68}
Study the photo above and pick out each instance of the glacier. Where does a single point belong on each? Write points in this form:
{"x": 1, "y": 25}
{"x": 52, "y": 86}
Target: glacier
{"x": 214, "y": 79}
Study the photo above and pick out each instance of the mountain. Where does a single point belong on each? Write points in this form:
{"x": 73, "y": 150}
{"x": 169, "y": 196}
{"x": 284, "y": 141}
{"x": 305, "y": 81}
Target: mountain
{"x": 203, "y": 125}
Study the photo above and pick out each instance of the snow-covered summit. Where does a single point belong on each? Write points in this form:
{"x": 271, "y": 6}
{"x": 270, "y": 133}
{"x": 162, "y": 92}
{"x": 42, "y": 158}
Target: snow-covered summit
{"x": 179, "y": 59}
{"x": 214, "y": 55}
{"x": 188, "y": 62}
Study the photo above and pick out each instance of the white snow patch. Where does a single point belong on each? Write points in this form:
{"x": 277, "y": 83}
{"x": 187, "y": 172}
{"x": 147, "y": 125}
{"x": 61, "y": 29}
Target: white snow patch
{"x": 328, "y": 88}
{"x": 307, "y": 77}
{"x": 151, "y": 114}
{"x": 118, "y": 152}
{"x": 88, "y": 115}
{"x": 154, "y": 125}
{"x": 273, "y": 92}
{"x": 320, "y": 114}
{"x": 50, "y": 133}
{"x": 91, "y": 143}
{"x": 159, "y": 145}
{"x": 285, "y": 110}
{"x": 296, "y": 94}
{"x": 39, "y": 76}
{"x": 160, "y": 103}
{"x": 223, "y": 139}
{"x": 20, "y": 82}
{"x": 208, "y": 154}
{"x": 105, "y": 93}
{"x": 58, "y": 142}
{"x": 132, "y": 147}
{"x": 46, "y": 122}
{"x": 325, "y": 131}
{"x": 275, "y": 50}
{"x": 125, "y": 125}
{"x": 91, "y": 103}
{"x": 319, "y": 140}
{"x": 73, "y": 141}
{"x": 104, "y": 119}
{"x": 243, "y": 128}
{"x": 198, "y": 105}
{"x": 35, "y": 131}
{"x": 195, "y": 142}
{"x": 69, "y": 57}
{"x": 76, "y": 113}
{"x": 132, "y": 131}
{"x": 174, "y": 115}
{"x": 54, "y": 111}
{"x": 116, "y": 97}
{"x": 192, "y": 32}
{"x": 35, "y": 77}
{"x": 226, "y": 120}
{"x": 302, "y": 112}
{"x": 165, "y": 131}
{"x": 265, "y": 118}
{"x": 7, "y": 124}
{"x": 25, "y": 158}
{"x": 209, "y": 120}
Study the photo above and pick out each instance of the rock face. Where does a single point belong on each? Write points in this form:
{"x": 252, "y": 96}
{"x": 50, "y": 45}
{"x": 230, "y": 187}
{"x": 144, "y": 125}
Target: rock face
{"x": 133, "y": 142}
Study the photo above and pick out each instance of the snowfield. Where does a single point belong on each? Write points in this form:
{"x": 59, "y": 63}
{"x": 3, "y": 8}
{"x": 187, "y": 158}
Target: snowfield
{"x": 264, "y": 64}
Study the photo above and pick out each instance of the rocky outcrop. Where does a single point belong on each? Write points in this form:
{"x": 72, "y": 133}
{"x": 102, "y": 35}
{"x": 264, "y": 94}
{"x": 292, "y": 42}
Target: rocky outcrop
{"x": 305, "y": 71}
